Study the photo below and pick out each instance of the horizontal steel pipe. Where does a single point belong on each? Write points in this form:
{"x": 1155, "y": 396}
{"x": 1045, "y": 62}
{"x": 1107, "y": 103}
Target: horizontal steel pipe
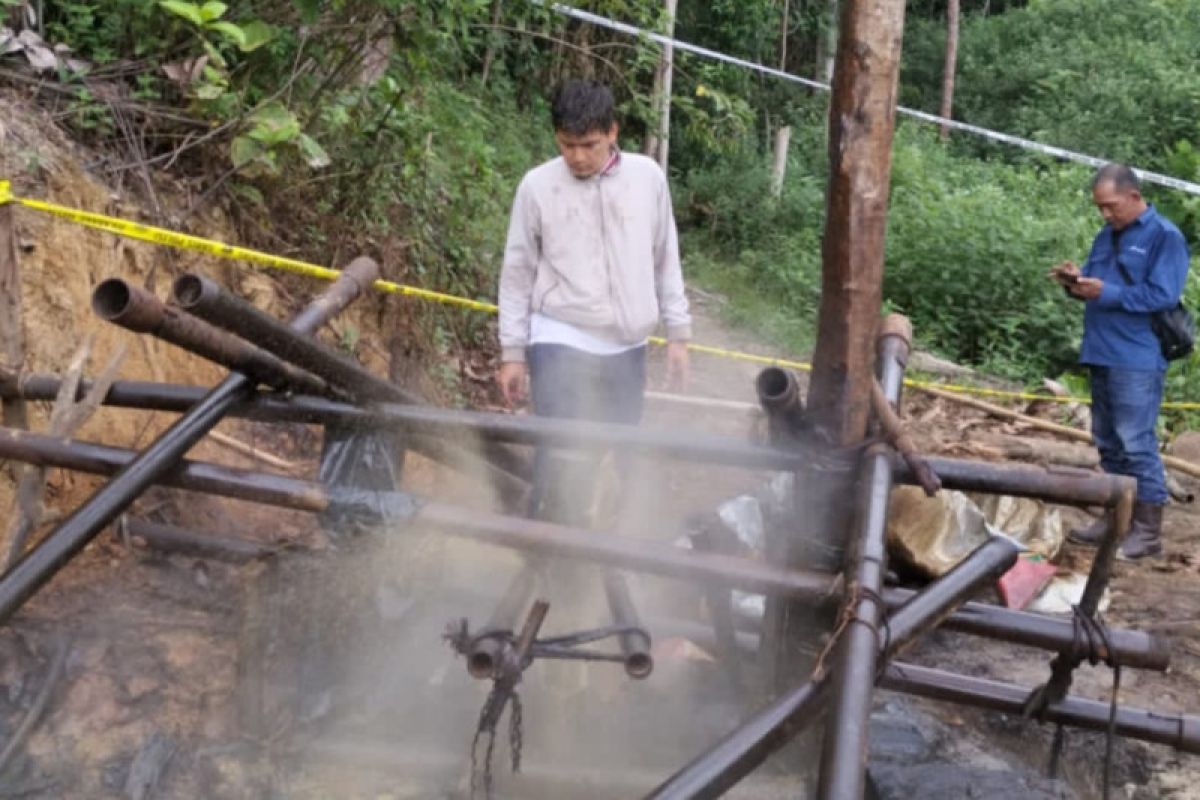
{"x": 146, "y": 468}
{"x": 1179, "y": 731}
{"x": 445, "y": 423}
{"x": 740, "y": 752}
{"x": 521, "y": 534}
{"x": 1075, "y": 487}
{"x": 117, "y": 301}
{"x": 182, "y": 541}
{"x": 1133, "y": 648}
{"x": 1058, "y": 485}
{"x": 779, "y": 395}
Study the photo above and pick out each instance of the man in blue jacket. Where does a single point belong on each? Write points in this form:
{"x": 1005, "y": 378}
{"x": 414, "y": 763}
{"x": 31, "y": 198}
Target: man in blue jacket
{"x": 1137, "y": 266}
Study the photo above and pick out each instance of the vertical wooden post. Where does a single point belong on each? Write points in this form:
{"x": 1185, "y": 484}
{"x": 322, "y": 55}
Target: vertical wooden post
{"x": 861, "y": 122}
{"x": 12, "y": 339}
{"x": 783, "y": 140}
{"x": 827, "y": 43}
{"x": 658, "y": 144}
{"x": 862, "y": 117}
{"x": 951, "y": 66}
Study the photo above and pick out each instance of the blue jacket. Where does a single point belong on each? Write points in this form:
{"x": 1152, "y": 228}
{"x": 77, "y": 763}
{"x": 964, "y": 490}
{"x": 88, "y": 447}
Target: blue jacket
{"x": 1116, "y": 325}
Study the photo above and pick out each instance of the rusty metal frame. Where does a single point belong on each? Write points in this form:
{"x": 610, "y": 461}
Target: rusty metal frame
{"x": 860, "y": 643}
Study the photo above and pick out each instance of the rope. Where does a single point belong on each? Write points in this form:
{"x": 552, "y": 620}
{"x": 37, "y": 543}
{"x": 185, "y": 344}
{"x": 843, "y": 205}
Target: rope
{"x": 1090, "y": 642}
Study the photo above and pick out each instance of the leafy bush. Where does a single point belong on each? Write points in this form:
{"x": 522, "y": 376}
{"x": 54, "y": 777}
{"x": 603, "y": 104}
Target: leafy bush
{"x": 969, "y": 244}
{"x": 1111, "y": 78}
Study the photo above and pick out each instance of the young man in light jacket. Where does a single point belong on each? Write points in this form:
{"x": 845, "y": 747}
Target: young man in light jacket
{"x": 590, "y": 269}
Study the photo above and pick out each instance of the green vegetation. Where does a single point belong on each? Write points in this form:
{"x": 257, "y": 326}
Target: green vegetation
{"x": 402, "y": 126}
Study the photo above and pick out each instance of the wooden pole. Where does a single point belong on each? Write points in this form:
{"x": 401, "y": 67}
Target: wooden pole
{"x": 861, "y": 121}
{"x": 666, "y": 71}
{"x": 12, "y": 339}
{"x": 951, "y": 66}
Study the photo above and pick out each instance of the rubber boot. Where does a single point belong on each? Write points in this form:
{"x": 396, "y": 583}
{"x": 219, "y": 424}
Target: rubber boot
{"x": 1093, "y": 534}
{"x": 1145, "y": 534}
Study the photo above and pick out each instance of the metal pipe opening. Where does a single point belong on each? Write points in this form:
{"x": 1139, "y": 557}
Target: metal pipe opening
{"x": 187, "y": 290}
{"x": 111, "y": 299}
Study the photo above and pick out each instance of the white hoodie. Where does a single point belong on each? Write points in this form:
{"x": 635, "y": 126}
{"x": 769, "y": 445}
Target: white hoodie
{"x": 600, "y": 254}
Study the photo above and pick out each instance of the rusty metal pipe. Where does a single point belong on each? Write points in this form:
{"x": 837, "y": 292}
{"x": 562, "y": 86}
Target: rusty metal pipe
{"x": 517, "y": 533}
{"x": 1057, "y": 485}
{"x": 779, "y": 395}
{"x": 117, "y": 301}
{"x": 142, "y": 471}
{"x": 746, "y": 748}
{"x": 210, "y": 302}
{"x": 443, "y": 423}
{"x": 635, "y": 644}
{"x": 1075, "y": 487}
{"x": 844, "y": 751}
{"x": 484, "y": 653}
{"x": 1133, "y": 648}
{"x": 183, "y": 541}
{"x": 1179, "y": 731}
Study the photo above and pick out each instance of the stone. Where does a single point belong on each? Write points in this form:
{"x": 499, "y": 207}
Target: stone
{"x": 933, "y": 534}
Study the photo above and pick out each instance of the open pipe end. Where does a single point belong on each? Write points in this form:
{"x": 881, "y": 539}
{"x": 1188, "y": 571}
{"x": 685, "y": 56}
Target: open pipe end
{"x": 192, "y": 290}
{"x": 116, "y": 300}
{"x": 480, "y": 665}
{"x": 112, "y": 298}
{"x": 364, "y": 271}
{"x": 639, "y": 665}
{"x": 776, "y": 387}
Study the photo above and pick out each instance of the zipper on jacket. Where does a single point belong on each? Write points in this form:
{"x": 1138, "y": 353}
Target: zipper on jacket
{"x": 608, "y": 273}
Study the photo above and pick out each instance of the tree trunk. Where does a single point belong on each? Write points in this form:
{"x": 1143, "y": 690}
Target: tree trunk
{"x": 783, "y": 138}
{"x": 658, "y": 143}
{"x": 827, "y": 43}
{"x": 951, "y": 64}
{"x": 861, "y": 121}
{"x": 784, "y": 26}
{"x": 489, "y": 55}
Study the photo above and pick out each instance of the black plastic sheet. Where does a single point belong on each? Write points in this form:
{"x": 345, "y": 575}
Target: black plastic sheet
{"x": 361, "y": 470}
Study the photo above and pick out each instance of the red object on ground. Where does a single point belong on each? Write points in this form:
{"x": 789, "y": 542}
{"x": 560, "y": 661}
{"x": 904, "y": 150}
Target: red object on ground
{"x": 1022, "y": 583}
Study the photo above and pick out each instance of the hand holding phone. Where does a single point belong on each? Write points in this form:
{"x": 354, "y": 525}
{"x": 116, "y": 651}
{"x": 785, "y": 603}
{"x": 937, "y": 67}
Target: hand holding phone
{"x": 1065, "y": 273}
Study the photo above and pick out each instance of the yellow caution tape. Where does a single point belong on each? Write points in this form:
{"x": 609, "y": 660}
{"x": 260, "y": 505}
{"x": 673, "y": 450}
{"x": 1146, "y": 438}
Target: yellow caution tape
{"x": 183, "y": 241}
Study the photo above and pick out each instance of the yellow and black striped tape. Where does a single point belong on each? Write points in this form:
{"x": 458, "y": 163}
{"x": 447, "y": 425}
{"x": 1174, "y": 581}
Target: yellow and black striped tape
{"x": 183, "y": 241}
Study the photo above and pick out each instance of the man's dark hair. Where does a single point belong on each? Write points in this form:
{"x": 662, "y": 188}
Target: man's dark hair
{"x": 582, "y": 107}
{"x": 1122, "y": 178}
